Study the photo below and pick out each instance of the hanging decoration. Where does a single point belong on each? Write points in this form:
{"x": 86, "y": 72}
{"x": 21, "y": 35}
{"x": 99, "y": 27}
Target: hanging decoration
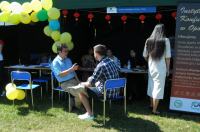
{"x": 158, "y": 16}
{"x": 108, "y": 18}
{"x": 64, "y": 13}
{"x": 34, "y": 11}
{"x": 142, "y": 18}
{"x": 90, "y": 17}
{"x": 173, "y": 14}
{"x": 76, "y": 16}
{"x": 124, "y": 18}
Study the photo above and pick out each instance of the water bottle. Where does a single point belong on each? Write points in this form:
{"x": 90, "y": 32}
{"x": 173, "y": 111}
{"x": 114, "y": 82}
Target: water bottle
{"x": 129, "y": 64}
{"x": 49, "y": 61}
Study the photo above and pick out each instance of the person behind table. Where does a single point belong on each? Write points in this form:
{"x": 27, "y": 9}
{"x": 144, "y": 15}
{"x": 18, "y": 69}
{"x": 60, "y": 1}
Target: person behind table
{"x": 106, "y": 69}
{"x": 88, "y": 61}
{"x": 1, "y": 67}
{"x": 64, "y": 71}
{"x": 157, "y": 52}
{"x": 113, "y": 58}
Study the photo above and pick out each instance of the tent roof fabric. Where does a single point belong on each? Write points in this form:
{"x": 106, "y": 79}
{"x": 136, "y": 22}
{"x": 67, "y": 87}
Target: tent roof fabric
{"x": 81, "y": 4}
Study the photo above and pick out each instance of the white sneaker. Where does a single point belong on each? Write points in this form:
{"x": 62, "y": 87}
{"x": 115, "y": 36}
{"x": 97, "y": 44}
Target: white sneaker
{"x": 86, "y": 116}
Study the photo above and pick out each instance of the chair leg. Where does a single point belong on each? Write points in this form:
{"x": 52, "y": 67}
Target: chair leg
{"x": 52, "y": 98}
{"x": 47, "y": 86}
{"x": 125, "y": 105}
{"x": 32, "y": 98}
{"x": 104, "y": 112}
{"x": 69, "y": 104}
{"x": 110, "y": 103}
{"x": 41, "y": 92}
{"x": 59, "y": 95}
{"x": 93, "y": 106}
{"x": 26, "y": 95}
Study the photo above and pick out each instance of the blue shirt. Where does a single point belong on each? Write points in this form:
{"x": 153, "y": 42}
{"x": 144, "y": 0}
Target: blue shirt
{"x": 106, "y": 69}
{"x": 58, "y": 65}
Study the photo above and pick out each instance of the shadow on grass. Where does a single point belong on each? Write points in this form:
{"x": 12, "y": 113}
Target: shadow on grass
{"x": 129, "y": 124}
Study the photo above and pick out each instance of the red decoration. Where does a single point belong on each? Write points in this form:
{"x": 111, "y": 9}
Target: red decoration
{"x": 76, "y": 15}
{"x": 124, "y": 18}
{"x": 142, "y": 18}
{"x": 65, "y": 12}
{"x": 108, "y": 18}
{"x": 174, "y": 14}
{"x": 90, "y": 17}
{"x": 158, "y": 16}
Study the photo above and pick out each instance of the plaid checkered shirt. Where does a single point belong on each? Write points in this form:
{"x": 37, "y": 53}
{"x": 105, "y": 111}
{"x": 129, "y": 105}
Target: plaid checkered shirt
{"x": 106, "y": 69}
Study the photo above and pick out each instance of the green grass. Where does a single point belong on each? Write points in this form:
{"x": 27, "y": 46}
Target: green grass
{"x": 21, "y": 118}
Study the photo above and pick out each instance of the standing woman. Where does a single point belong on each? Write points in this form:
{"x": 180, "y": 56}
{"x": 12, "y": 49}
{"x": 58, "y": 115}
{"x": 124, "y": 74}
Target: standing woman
{"x": 157, "y": 52}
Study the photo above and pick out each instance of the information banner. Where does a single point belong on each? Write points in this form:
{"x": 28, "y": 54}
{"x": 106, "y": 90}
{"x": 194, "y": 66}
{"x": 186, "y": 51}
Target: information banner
{"x": 185, "y": 93}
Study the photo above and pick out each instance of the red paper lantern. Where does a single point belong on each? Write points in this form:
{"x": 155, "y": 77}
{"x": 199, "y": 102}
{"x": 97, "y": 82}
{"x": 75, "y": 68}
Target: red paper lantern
{"x": 108, "y": 18}
{"x": 174, "y": 14}
{"x": 90, "y": 17}
{"x": 76, "y": 15}
{"x": 142, "y": 18}
{"x": 65, "y": 12}
{"x": 158, "y": 16}
{"x": 124, "y": 18}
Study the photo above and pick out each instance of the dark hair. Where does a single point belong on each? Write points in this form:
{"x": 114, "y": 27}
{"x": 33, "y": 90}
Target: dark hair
{"x": 156, "y": 42}
{"x": 100, "y": 49}
{"x": 61, "y": 47}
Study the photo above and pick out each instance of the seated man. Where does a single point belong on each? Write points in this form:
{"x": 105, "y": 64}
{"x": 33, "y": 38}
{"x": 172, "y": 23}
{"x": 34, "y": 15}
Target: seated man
{"x": 65, "y": 72}
{"x": 106, "y": 69}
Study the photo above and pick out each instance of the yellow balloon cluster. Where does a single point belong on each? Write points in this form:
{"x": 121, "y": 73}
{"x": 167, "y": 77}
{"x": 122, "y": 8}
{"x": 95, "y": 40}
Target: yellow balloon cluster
{"x": 12, "y": 93}
{"x": 36, "y": 10}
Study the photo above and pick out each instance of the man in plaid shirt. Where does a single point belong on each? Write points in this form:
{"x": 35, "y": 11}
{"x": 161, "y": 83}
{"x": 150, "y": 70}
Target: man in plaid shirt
{"x": 106, "y": 69}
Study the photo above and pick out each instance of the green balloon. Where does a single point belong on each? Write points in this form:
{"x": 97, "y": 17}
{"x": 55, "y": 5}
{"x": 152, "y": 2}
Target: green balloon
{"x": 42, "y": 15}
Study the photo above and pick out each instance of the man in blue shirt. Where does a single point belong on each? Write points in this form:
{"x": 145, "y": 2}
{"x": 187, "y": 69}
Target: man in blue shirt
{"x": 106, "y": 69}
{"x": 64, "y": 72}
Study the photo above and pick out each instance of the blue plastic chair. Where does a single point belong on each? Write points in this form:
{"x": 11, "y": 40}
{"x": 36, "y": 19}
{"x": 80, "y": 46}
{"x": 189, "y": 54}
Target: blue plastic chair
{"x": 114, "y": 85}
{"x": 58, "y": 88}
{"x": 43, "y": 79}
{"x": 24, "y": 76}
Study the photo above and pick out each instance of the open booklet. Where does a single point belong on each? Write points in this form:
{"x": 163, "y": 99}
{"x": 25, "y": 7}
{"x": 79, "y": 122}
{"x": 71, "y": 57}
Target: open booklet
{"x": 79, "y": 86}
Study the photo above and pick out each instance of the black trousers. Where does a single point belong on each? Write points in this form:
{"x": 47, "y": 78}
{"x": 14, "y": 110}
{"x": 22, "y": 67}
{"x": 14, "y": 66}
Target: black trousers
{"x": 2, "y": 78}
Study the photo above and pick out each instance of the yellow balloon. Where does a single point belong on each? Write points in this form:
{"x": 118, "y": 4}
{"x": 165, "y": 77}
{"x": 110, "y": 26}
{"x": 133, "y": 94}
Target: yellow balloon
{"x": 15, "y": 7}
{"x": 55, "y": 35}
{"x": 25, "y": 18}
{"x": 54, "y": 46}
{"x": 4, "y": 16}
{"x": 20, "y": 95}
{"x": 14, "y": 18}
{"x": 70, "y": 45}
{"x": 53, "y": 13}
{"x": 5, "y": 6}
{"x": 47, "y": 31}
{"x": 36, "y": 5}
{"x": 11, "y": 94}
{"x": 26, "y": 7}
{"x": 47, "y": 4}
{"x": 65, "y": 37}
{"x": 10, "y": 86}
{"x": 34, "y": 17}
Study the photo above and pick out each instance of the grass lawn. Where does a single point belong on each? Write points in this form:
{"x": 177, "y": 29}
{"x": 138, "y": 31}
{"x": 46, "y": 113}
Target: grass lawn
{"x": 21, "y": 118}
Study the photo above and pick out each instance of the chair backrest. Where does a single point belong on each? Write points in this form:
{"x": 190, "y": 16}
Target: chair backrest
{"x": 20, "y": 75}
{"x": 53, "y": 80}
{"x": 115, "y": 83}
{"x": 112, "y": 88}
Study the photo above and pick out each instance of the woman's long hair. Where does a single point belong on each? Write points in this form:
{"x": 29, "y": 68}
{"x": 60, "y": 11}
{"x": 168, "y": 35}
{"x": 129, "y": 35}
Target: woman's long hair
{"x": 156, "y": 42}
